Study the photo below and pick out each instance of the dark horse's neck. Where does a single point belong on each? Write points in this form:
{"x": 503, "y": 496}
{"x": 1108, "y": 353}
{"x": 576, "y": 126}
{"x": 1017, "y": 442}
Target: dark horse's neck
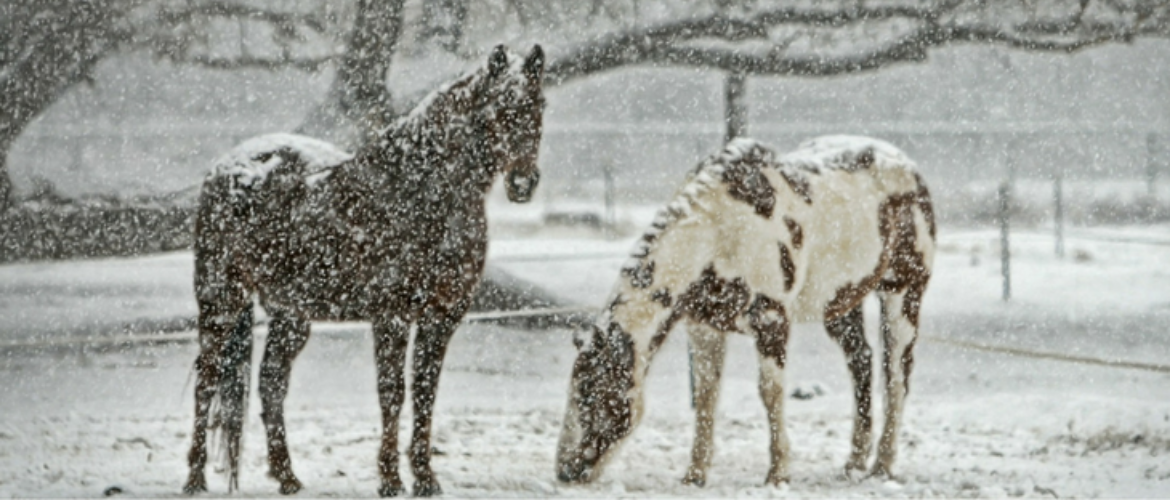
{"x": 439, "y": 148}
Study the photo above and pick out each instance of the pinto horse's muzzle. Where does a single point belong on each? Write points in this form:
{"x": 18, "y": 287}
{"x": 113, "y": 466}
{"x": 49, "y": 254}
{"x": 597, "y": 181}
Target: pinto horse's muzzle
{"x": 521, "y": 185}
{"x": 574, "y": 472}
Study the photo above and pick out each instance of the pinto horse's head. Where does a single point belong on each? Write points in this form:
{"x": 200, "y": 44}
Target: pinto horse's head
{"x": 514, "y": 103}
{"x": 603, "y": 405}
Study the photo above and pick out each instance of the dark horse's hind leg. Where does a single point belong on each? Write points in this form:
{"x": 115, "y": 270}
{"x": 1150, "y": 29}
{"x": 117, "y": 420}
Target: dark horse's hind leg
{"x": 287, "y": 335}
{"x": 390, "y": 342}
{"x": 430, "y": 346}
{"x": 216, "y": 322}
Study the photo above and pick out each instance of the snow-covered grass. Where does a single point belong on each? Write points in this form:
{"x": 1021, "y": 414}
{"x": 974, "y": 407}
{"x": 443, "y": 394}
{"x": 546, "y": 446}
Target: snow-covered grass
{"x": 75, "y": 421}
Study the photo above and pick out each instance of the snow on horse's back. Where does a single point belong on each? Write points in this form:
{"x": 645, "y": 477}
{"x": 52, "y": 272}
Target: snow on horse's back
{"x": 753, "y": 242}
{"x": 250, "y": 162}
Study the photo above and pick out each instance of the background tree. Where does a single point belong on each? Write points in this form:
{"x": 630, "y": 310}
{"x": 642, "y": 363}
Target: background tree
{"x": 49, "y": 46}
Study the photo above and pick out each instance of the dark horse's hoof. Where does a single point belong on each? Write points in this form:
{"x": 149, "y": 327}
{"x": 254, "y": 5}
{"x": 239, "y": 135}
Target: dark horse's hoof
{"x": 290, "y": 486}
{"x": 427, "y": 488}
{"x": 195, "y": 484}
{"x": 391, "y": 489}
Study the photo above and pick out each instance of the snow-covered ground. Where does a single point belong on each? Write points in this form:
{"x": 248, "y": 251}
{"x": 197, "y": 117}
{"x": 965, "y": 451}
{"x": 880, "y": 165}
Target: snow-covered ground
{"x": 75, "y": 421}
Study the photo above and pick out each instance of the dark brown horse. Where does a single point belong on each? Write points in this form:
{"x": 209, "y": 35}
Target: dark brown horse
{"x": 395, "y": 235}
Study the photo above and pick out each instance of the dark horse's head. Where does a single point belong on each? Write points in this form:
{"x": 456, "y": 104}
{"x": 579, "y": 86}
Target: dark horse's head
{"x": 514, "y": 111}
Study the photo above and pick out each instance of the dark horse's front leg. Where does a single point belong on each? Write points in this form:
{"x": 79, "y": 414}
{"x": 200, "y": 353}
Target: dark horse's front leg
{"x": 430, "y": 346}
{"x": 390, "y": 342}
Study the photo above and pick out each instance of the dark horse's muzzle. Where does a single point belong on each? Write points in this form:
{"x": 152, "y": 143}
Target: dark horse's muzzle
{"x": 521, "y": 185}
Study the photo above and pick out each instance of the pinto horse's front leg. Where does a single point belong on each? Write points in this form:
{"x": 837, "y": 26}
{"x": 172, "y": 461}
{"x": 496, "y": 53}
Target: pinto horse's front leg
{"x": 435, "y": 329}
{"x": 390, "y": 343}
{"x": 707, "y": 349}
{"x": 771, "y": 325}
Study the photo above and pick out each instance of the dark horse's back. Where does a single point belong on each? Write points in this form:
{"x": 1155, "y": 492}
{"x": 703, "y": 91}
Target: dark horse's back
{"x": 267, "y": 223}
{"x": 317, "y": 241}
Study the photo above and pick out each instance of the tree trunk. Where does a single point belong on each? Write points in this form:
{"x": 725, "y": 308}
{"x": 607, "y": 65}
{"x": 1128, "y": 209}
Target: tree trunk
{"x": 358, "y": 102}
{"x": 6, "y": 196}
{"x": 442, "y": 24}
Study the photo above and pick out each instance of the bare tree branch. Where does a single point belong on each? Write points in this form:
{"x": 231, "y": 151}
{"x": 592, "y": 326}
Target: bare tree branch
{"x": 946, "y": 23}
{"x": 285, "y": 61}
{"x": 174, "y": 36}
{"x": 288, "y": 21}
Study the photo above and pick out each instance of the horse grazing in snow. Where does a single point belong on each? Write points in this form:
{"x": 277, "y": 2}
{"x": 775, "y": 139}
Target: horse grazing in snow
{"x": 753, "y": 243}
{"x": 395, "y": 235}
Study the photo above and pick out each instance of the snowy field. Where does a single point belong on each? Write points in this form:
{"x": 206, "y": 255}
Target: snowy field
{"x": 75, "y": 421}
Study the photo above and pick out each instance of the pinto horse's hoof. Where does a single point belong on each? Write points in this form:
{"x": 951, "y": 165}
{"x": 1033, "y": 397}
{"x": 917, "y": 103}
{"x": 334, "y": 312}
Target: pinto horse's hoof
{"x": 854, "y": 469}
{"x": 776, "y": 480}
{"x": 427, "y": 488}
{"x": 391, "y": 489}
{"x": 882, "y": 472}
{"x": 694, "y": 478}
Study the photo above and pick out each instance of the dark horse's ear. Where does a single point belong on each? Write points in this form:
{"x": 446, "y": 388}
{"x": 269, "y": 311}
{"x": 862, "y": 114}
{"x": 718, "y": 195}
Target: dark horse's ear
{"x": 498, "y": 61}
{"x": 534, "y": 64}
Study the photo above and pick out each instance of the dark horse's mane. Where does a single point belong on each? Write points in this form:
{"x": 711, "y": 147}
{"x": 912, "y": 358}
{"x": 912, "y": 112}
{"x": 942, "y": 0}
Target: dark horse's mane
{"x": 411, "y": 140}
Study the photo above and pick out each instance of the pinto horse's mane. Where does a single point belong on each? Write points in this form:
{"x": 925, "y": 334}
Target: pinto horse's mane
{"x": 705, "y": 177}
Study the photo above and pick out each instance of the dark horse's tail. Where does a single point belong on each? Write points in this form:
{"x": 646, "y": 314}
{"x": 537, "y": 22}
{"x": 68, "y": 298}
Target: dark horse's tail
{"x": 235, "y": 377}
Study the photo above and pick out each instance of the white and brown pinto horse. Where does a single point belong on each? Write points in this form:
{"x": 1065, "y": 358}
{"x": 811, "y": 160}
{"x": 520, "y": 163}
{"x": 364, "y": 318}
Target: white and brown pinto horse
{"x": 395, "y": 235}
{"x": 752, "y": 244}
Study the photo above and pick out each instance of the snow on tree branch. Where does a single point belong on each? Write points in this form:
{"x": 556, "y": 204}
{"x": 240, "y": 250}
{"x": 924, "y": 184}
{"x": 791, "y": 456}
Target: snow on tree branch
{"x": 748, "y": 43}
{"x": 266, "y": 37}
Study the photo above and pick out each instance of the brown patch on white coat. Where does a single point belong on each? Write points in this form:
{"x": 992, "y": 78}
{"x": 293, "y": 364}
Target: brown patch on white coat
{"x": 858, "y": 223}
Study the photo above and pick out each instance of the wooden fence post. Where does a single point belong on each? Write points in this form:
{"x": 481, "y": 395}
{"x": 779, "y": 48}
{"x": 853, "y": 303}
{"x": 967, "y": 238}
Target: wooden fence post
{"x": 1152, "y": 167}
{"x": 609, "y": 222}
{"x": 1058, "y": 216}
{"x": 735, "y": 107}
{"x": 1005, "y": 251}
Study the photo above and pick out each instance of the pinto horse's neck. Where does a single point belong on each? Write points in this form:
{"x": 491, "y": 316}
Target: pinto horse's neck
{"x": 658, "y": 285}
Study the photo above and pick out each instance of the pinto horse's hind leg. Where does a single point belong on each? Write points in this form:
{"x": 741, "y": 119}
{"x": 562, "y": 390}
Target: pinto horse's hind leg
{"x": 435, "y": 329}
{"x": 898, "y": 336}
{"x": 707, "y": 348}
{"x": 287, "y": 335}
{"x": 849, "y": 332}
{"x": 390, "y": 343}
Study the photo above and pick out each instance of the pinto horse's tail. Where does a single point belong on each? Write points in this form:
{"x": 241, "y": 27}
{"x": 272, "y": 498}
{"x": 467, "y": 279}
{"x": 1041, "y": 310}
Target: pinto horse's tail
{"x": 235, "y": 377}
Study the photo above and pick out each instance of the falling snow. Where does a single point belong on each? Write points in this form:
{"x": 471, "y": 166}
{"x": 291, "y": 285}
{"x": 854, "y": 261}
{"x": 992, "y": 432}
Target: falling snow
{"x": 1042, "y": 366}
